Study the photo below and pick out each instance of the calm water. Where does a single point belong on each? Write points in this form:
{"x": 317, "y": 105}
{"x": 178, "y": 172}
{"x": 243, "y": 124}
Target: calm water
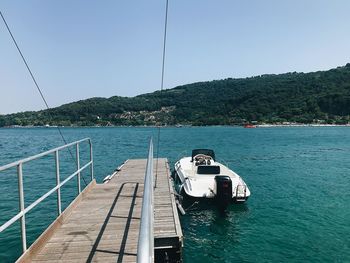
{"x": 299, "y": 178}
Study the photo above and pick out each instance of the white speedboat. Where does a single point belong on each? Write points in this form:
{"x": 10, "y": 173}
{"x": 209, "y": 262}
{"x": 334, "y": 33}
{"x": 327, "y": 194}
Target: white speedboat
{"x": 201, "y": 176}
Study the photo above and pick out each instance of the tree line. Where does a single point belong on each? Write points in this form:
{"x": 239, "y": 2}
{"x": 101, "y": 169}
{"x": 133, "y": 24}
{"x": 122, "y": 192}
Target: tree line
{"x": 322, "y": 96}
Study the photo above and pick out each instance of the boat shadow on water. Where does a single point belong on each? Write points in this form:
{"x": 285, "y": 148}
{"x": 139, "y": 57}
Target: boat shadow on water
{"x": 194, "y": 205}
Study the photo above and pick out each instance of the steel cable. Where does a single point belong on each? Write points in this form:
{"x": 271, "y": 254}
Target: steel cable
{"x": 162, "y": 83}
{"x": 37, "y": 86}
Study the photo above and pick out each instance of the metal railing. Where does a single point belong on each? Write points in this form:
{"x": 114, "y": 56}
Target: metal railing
{"x": 241, "y": 192}
{"x": 145, "y": 248}
{"x": 19, "y": 164}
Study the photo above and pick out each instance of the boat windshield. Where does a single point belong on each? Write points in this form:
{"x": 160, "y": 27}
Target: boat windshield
{"x": 208, "y": 169}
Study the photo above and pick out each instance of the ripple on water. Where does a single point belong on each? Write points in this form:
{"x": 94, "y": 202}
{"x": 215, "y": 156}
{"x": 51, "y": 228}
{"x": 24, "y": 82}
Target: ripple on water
{"x": 298, "y": 211}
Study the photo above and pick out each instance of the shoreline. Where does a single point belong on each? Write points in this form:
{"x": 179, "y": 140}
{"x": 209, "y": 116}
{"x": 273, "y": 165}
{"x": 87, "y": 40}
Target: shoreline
{"x": 301, "y": 125}
{"x": 182, "y": 126}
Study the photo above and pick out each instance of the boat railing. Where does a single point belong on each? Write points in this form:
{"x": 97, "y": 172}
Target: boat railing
{"x": 241, "y": 191}
{"x": 145, "y": 248}
{"x": 19, "y": 164}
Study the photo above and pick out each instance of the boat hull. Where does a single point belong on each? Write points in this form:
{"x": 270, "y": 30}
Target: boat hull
{"x": 190, "y": 203}
{"x": 187, "y": 200}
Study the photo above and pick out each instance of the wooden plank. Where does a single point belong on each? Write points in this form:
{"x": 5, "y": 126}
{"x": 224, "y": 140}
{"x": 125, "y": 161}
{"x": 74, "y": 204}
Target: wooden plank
{"x": 104, "y": 225}
{"x": 49, "y": 232}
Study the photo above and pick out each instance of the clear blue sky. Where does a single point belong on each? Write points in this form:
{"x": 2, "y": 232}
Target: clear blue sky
{"x": 80, "y": 49}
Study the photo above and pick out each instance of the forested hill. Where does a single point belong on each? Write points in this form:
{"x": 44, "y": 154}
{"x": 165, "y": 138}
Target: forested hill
{"x": 322, "y": 96}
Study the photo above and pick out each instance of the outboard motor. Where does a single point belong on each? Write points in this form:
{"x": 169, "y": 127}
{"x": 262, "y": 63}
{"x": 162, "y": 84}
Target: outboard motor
{"x": 223, "y": 190}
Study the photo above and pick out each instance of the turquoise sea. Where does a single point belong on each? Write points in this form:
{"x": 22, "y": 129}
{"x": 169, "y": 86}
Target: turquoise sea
{"x": 299, "y": 210}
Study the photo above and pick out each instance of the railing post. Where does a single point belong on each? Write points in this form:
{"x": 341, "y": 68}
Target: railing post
{"x": 78, "y": 167}
{"x": 21, "y": 206}
{"x": 92, "y": 162}
{"x": 59, "y": 209}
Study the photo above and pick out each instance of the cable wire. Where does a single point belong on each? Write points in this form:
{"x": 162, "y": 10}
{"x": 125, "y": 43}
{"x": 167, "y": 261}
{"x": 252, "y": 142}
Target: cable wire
{"x": 37, "y": 86}
{"x": 162, "y": 82}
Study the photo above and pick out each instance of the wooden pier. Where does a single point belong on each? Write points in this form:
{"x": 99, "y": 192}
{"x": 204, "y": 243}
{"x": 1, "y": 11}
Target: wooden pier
{"x": 102, "y": 223}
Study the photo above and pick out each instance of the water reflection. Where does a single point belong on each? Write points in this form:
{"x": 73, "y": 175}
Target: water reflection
{"x": 211, "y": 233}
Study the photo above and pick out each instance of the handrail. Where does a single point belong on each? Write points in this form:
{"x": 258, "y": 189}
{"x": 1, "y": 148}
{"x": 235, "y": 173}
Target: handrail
{"x": 25, "y": 160}
{"x": 19, "y": 164}
{"x": 145, "y": 248}
{"x": 245, "y": 191}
